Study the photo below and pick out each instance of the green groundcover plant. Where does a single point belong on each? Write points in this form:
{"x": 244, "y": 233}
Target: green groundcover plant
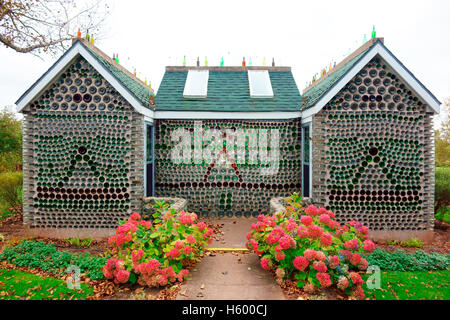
{"x": 38, "y": 254}
{"x": 402, "y": 261}
{"x": 311, "y": 246}
{"x": 156, "y": 253}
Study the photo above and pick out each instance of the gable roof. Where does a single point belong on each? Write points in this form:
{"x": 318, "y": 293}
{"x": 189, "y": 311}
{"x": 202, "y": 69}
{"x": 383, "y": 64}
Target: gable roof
{"x": 320, "y": 93}
{"x": 228, "y": 91}
{"x": 132, "y": 89}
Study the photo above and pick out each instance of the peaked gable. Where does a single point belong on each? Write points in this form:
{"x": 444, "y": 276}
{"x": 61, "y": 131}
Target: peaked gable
{"x": 316, "y": 97}
{"x": 131, "y": 88}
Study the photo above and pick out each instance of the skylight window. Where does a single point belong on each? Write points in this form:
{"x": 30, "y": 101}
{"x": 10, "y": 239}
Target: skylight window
{"x": 196, "y": 85}
{"x": 260, "y": 85}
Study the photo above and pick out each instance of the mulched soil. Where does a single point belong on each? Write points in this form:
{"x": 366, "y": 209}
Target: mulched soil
{"x": 441, "y": 242}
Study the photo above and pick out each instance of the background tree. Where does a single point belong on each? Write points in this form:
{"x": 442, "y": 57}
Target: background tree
{"x": 10, "y": 142}
{"x": 442, "y": 138}
{"x": 48, "y": 25}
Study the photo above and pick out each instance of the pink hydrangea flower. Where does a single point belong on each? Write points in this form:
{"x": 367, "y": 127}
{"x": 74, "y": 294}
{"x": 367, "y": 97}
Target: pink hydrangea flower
{"x": 135, "y": 216}
{"x": 120, "y": 264}
{"x": 309, "y": 254}
{"x": 311, "y": 210}
{"x": 273, "y": 237}
{"x": 280, "y": 256}
{"x": 320, "y": 266}
{"x": 190, "y": 239}
{"x": 151, "y": 266}
{"x": 136, "y": 255}
{"x": 333, "y": 262}
{"x": 174, "y": 253}
{"x": 185, "y": 219}
{"x": 356, "y": 278}
{"x": 331, "y": 214}
{"x": 265, "y": 264}
{"x": 187, "y": 250}
{"x": 324, "y": 218}
{"x": 368, "y": 246}
{"x": 179, "y": 244}
{"x": 291, "y": 225}
{"x": 351, "y": 244}
{"x": 163, "y": 280}
{"x": 314, "y": 231}
{"x": 209, "y": 232}
{"x": 122, "y": 276}
{"x": 108, "y": 274}
{"x": 306, "y": 220}
{"x": 363, "y": 229}
{"x": 358, "y": 293}
{"x": 320, "y": 256}
{"x": 286, "y": 242}
{"x": 300, "y": 263}
{"x": 355, "y": 259}
{"x": 363, "y": 265}
{"x": 324, "y": 279}
{"x": 302, "y": 232}
{"x": 201, "y": 225}
{"x": 326, "y": 240}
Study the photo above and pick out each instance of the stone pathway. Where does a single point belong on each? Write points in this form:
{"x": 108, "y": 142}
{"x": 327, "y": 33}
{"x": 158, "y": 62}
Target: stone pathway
{"x": 231, "y": 275}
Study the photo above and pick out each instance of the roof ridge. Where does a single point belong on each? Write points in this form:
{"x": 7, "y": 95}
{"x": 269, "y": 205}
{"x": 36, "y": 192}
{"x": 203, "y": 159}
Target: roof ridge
{"x": 102, "y": 54}
{"x": 230, "y": 68}
{"x": 370, "y": 43}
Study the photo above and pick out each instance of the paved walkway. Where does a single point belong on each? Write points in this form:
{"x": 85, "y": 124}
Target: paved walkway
{"x": 230, "y": 275}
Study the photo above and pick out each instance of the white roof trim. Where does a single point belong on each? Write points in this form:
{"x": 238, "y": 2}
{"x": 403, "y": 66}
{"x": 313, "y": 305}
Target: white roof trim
{"x": 65, "y": 60}
{"x": 406, "y": 76}
{"x": 227, "y": 115}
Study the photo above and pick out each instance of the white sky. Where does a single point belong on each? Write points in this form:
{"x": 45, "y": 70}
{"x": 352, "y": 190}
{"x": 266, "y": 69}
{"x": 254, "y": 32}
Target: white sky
{"x": 306, "y": 35}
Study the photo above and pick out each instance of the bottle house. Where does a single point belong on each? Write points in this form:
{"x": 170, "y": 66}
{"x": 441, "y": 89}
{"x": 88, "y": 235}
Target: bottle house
{"x": 358, "y": 140}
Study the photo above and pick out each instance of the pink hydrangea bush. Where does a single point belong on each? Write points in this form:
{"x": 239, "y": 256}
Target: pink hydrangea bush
{"x": 156, "y": 253}
{"x": 311, "y": 246}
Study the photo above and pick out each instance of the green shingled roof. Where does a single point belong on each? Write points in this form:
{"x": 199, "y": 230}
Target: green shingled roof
{"x": 228, "y": 91}
{"x": 141, "y": 92}
{"x": 313, "y": 94}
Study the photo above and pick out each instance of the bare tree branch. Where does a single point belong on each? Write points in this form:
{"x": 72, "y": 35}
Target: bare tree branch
{"x": 48, "y": 25}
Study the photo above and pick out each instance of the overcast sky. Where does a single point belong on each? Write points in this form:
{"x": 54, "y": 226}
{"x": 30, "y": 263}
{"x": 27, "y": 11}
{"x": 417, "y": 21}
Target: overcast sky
{"x": 306, "y": 35}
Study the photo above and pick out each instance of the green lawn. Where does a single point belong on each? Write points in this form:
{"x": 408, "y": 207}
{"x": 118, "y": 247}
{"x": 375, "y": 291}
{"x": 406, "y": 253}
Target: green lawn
{"x": 424, "y": 285}
{"x": 18, "y": 285}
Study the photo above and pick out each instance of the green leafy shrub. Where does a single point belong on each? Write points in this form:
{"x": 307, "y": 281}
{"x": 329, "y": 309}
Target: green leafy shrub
{"x": 443, "y": 214}
{"x": 38, "y": 254}
{"x": 156, "y": 254}
{"x": 442, "y": 188}
{"x": 403, "y": 261}
{"x": 10, "y": 185}
{"x": 312, "y": 247}
{"x": 81, "y": 243}
{"x": 412, "y": 243}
